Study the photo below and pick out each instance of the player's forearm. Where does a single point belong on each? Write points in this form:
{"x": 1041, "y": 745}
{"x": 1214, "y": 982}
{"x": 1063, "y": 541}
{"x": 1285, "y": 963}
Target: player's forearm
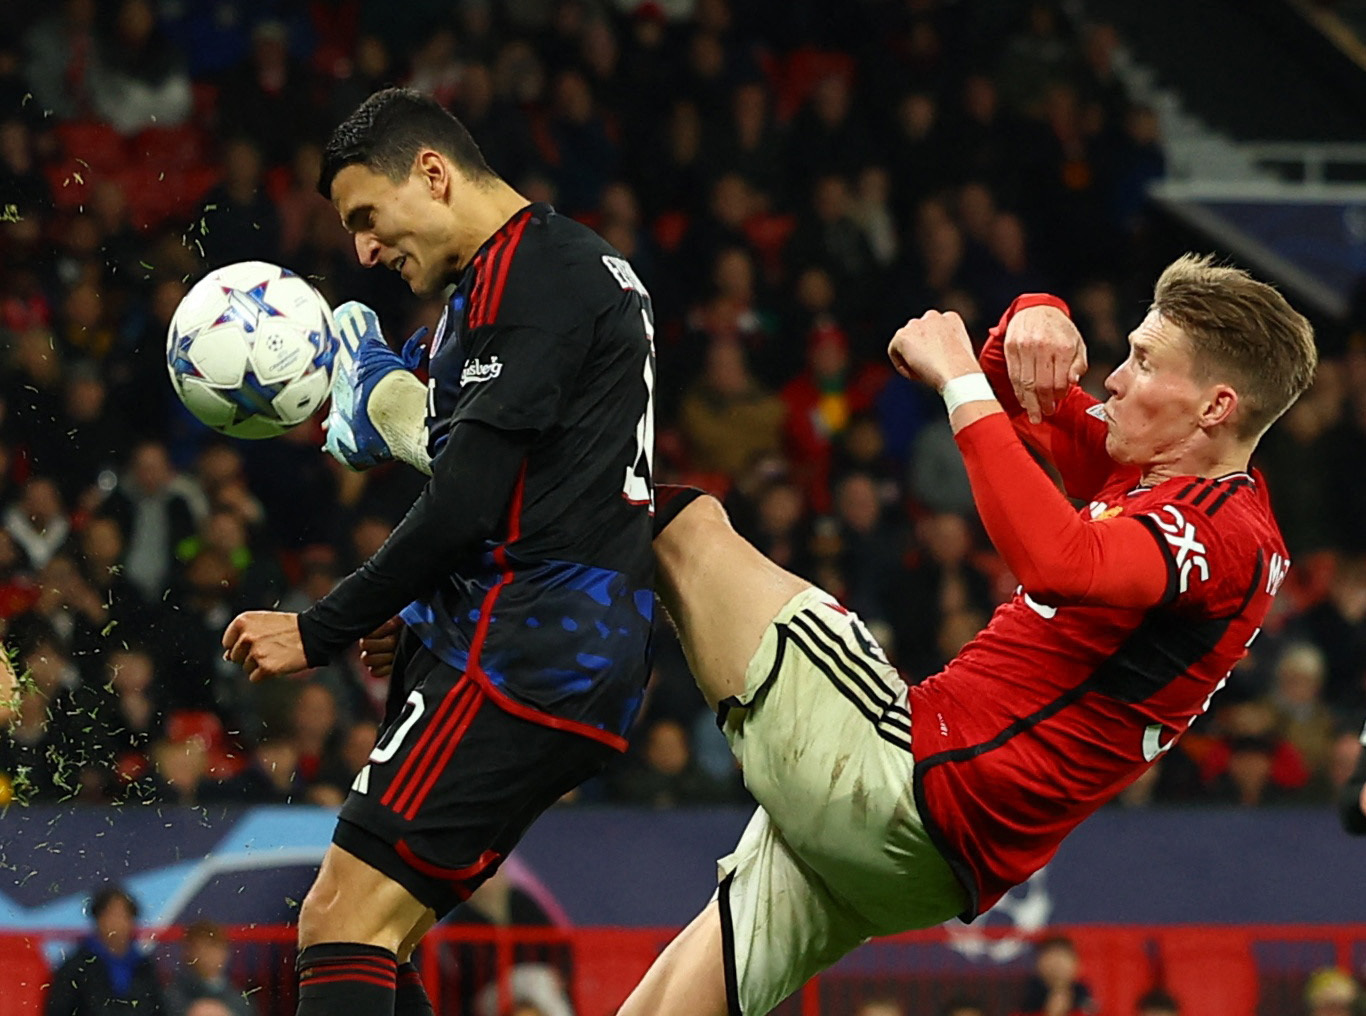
{"x": 462, "y": 506}
{"x": 398, "y": 410}
{"x": 1051, "y": 550}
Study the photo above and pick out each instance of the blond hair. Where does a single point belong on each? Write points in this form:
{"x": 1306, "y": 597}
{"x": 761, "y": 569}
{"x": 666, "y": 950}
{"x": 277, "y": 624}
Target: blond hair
{"x": 1243, "y": 331}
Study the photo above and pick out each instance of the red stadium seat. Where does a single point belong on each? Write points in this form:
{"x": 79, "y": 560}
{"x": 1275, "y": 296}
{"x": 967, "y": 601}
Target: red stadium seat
{"x": 169, "y": 148}
{"x": 24, "y": 975}
{"x": 97, "y": 145}
{"x": 1127, "y": 968}
{"x": 156, "y": 195}
{"x": 669, "y": 230}
{"x": 1212, "y": 971}
{"x": 608, "y": 963}
{"x": 804, "y": 68}
{"x": 768, "y": 235}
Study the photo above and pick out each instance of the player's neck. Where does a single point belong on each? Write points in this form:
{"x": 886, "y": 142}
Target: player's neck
{"x": 485, "y": 207}
{"x": 1210, "y": 466}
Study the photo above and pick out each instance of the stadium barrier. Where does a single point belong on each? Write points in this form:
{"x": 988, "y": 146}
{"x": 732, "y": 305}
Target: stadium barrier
{"x": 1225, "y": 970}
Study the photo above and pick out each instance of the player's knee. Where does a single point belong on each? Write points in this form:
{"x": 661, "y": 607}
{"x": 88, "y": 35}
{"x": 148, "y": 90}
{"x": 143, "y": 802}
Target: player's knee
{"x": 313, "y": 916}
{"x": 702, "y": 518}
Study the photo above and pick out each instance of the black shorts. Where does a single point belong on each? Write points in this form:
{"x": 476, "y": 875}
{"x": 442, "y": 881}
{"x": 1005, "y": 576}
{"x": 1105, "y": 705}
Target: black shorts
{"x": 454, "y": 781}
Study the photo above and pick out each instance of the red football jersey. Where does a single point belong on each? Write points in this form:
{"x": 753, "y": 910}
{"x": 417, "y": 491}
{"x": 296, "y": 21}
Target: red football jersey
{"x": 1055, "y": 707}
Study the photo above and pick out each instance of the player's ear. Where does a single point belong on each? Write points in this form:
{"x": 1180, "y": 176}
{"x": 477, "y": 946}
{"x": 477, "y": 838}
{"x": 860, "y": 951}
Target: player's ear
{"x": 1220, "y": 405}
{"x": 435, "y": 172}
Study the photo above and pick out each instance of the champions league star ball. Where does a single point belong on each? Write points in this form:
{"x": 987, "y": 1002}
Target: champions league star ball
{"x": 250, "y": 350}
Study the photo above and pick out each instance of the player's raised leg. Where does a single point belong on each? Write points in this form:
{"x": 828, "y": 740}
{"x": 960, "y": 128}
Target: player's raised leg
{"x": 721, "y": 593}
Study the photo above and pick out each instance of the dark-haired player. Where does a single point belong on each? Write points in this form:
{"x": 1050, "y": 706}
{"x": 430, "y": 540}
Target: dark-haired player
{"x": 523, "y": 572}
{"x": 884, "y": 807}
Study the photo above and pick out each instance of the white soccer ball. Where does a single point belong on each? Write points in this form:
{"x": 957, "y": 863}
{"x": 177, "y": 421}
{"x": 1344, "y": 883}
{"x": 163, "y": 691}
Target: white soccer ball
{"x": 250, "y": 350}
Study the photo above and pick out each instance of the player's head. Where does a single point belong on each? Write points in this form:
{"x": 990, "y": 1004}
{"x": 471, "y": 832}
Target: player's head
{"x": 397, "y": 170}
{"x": 1217, "y": 359}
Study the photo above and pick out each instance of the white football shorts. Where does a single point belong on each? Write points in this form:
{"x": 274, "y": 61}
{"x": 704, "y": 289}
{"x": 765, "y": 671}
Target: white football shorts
{"x": 836, "y": 852}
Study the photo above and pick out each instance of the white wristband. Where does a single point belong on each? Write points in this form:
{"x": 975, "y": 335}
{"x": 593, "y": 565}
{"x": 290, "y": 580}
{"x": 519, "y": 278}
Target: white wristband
{"x": 968, "y": 388}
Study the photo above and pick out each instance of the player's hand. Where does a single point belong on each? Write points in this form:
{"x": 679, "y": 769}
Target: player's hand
{"x": 1045, "y": 356}
{"x": 363, "y": 358}
{"x": 933, "y": 348}
{"x": 378, "y": 648}
{"x": 266, "y": 643}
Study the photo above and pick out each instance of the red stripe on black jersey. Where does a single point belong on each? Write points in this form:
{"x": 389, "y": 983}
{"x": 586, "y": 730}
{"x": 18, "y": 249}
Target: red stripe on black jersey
{"x": 505, "y": 263}
{"x": 482, "y": 281}
{"x": 493, "y": 274}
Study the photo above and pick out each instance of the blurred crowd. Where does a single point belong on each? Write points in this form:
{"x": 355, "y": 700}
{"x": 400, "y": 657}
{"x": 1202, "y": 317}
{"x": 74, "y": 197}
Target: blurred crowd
{"x": 206, "y": 969}
{"x": 791, "y": 180}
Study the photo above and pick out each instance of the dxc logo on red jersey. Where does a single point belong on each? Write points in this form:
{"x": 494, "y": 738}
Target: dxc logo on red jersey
{"x": 1188, "y": 551}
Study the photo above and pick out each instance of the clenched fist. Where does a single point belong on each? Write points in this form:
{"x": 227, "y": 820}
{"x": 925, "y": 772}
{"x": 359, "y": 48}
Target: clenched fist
{"x": 933, "y": 348}
{"x": 266, "y": 643}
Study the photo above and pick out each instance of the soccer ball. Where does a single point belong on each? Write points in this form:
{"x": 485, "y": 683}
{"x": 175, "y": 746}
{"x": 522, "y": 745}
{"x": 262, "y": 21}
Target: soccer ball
{"x": 250, "y": 350}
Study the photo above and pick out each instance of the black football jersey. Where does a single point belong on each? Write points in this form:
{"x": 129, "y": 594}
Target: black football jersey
{"x": 550, "y": 333}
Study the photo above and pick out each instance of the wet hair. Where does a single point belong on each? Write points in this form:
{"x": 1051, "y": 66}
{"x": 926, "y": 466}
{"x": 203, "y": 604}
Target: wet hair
{"x": 1241, "y": 331}
{"x": 386, "y": 132}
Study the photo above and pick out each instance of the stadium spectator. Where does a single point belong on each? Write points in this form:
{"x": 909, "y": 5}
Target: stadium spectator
{"x": 963, "y": 1007}
{"x": 61, "y": 51}
{"x": 662, "y": 772}
{"x": 108, "y": 972}
{"x": 180, "y": 770}
{"x": 1250, "y": 763}
{"x": 882, "y": 1006}
{"x": 1296, "y": 695}
{"x": 155, "y": 506}
{"x": 272, "y": 99}
{"x": 871, "y": 546}
{"x": 820, "y": 402}
{"x": 138, "y": 78}
{"x": 38, "y": 521}
{"x": 316, "y": 732}
{"x": 202, "y": 974}
{"x": 727, "y": 419}
{"x": 1055, "y": 988}
{"x": 1331, "y": 991}
{"x": 936, "y": 586}
{"x": 209, "y": 1007}
{"x": 237, "y": 220}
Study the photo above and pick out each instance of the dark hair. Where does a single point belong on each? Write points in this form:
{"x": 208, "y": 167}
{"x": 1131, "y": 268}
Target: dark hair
{"x": 1160, "y": 1000}
{"x": 205, "y": 930}
{"x": 102, "y": 898}
{"x": 386, "y": 132}
{"x": 957, "y": 1004}
{"x": 1056, "y": 941}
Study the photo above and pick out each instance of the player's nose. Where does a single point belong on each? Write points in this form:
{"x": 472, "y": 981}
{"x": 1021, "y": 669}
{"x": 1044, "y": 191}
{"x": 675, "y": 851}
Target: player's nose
{"x": 367, "y": 249}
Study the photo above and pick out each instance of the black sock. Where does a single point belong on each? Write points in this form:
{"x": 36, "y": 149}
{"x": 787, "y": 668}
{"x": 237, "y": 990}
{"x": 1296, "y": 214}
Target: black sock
{"x": 346, "y": 977}
{"x": 670, "y": 499}
{"x": 411, "y": 998}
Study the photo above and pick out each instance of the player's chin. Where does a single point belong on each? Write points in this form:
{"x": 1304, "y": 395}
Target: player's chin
{"x": 423, "y": 287}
